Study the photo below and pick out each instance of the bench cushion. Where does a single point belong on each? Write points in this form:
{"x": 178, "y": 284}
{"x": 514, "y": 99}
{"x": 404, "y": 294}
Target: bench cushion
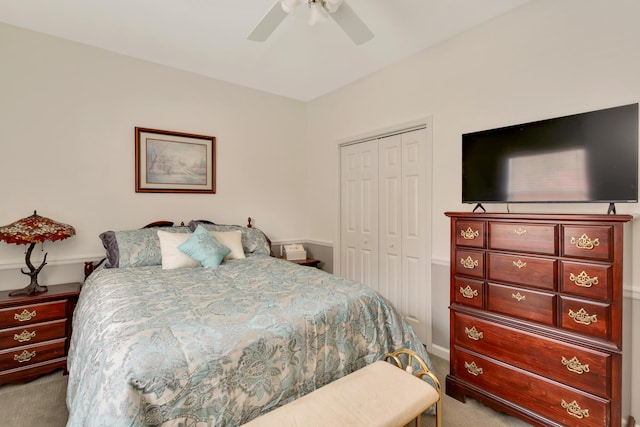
{"x": 379, "y": 394}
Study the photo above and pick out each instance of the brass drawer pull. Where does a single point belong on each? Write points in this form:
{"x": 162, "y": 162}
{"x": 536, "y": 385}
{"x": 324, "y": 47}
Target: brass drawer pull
{"x": 519, "y": 231}
{"x": 574, "y": 365}
{"x": 473, "y": 333}
{"x": 583, "y": 280}
{"x": 469, "y": 262}
{"x": 581, "y": 316}
{"x": 468, "y": 292}
{"x": 584, "y": 242}
{"x": 25, "y": 356}
{"x": 469, "y": 234}
{"x": 473, "y": 369}
{"x": 24, "y": 336}
{"x": 575, "y": 410}
{"x": 24, "y": 316}
{"x": 520, "y": 264}
{"x": 518, "y": 297}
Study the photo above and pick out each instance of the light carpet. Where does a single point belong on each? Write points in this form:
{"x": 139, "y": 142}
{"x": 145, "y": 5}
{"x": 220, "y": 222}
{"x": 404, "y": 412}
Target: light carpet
{"x": 42, "y": 403}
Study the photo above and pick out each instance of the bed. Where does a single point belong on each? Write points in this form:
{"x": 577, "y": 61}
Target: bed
{"x": 195, "y": 346}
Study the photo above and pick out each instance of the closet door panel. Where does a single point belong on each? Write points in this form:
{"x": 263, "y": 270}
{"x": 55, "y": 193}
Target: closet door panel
{"x": 359, "y": 212}
{"x": 390, "y": 208}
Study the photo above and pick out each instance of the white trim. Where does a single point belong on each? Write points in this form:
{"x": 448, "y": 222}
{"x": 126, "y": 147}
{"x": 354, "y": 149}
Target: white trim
{"x": 387, "y": 131}
{"x": 302, "y": 241}
{"x": 63, "y": 261}
{"x": 441, "y": 261}
{"x": 441, "y": 352}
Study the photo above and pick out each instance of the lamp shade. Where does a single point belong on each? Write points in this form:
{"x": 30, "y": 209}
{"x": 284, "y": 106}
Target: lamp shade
{"x": 31, "y": 230}
{"x": 35, "y": 229}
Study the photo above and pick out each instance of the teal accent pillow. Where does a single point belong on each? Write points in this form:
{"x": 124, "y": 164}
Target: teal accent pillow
{"x": 205, "y": 248}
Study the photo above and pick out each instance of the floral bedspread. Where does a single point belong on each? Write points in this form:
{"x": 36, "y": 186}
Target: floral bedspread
{"x": 199, "y": 347}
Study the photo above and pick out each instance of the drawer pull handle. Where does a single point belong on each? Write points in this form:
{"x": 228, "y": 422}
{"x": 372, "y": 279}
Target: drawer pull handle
{"x": 468, "y": 292}
{"x": 24, "y": 316}
{"x": 582, "y": 317}
{"x": 469, "y": 234}
{"x": 518, "y": 297}
{"x": 583, "y": 280}
{"x": 473, "y": 333}
{"x": 473, "y": 369}
{"x": 520, "y": 264}
{"x": 25, "y": 356}
{"x": 24, "y": 336}
{"x": 469, "y": 262}
{"x": 584, "y": 242}
{"x": 519, "y": 231}
{"x": 574, "y": 365}
{"x": 575, "y": 410}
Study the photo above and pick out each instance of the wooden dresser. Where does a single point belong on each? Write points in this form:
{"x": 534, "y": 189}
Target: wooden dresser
{"x": 536, "y": 315}
{"x": 35, "y": 332}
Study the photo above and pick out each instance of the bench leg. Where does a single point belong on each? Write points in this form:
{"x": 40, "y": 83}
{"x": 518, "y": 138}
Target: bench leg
{"x": 422, "y": 372}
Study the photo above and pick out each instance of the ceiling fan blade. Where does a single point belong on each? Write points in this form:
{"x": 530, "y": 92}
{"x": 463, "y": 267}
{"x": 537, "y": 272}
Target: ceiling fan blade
{"x": 351, "y": 24}
{"x": 268, "y": 23}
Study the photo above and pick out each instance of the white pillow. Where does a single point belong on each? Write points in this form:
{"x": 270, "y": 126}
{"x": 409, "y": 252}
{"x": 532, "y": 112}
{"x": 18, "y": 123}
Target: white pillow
{"x": 172, "y": 257}
{"x": 232, "y": 240}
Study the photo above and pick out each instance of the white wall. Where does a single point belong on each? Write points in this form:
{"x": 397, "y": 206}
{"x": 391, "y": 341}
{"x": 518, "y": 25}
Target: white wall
{"x": 67, "y": 119}
{"x": 548, "y": 58}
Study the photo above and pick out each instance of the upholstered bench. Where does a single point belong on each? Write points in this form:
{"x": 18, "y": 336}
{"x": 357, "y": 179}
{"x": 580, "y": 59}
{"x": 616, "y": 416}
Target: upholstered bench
{"x": 379, "y": 394}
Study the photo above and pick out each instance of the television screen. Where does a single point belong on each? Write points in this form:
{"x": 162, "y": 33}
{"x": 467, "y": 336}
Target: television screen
{"x": 588, "y": 157}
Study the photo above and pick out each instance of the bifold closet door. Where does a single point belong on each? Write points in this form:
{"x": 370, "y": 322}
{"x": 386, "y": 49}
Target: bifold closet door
{"x": 359, "y": 212}
{"x": 402, "y": 225}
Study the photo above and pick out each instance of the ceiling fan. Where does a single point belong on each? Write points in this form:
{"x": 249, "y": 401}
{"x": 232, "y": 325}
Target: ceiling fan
{"x": 339, "y": 10}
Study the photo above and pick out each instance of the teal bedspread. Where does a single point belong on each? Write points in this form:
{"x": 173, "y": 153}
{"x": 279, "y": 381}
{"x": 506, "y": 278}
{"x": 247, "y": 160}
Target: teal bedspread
{"x": 197, "y": 347}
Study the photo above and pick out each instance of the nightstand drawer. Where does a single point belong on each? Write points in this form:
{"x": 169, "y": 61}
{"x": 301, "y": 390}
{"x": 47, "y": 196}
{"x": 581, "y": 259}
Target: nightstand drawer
{"x": 32, "y": 313}
{"x": 29, "y": 355}
{"x": 30, "y": 334}
{"x": 522, "y": 303}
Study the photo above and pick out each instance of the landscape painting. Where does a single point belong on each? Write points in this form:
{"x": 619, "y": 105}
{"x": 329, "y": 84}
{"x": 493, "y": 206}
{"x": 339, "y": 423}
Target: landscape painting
{"x": 174, "y": 162}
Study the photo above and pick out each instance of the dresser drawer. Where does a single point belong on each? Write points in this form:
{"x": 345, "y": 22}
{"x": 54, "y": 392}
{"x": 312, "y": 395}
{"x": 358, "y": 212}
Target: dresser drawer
{"x": 470, "y": 233}
{"x": 30, "y": 334}
{"x": 587, "y": 242}
{"x": 29, "y": 355}
{"x": 534, "y": 238}
{"x": 470, "y": 263}
{"x": 588, "y": 280}
{"x": 32, "y": 313}
{"x": 525, "y": 304}
{"x": 527, "y": 271}
{"x": 578, "y": 367}
{"x": 565, "y": 405}
{"x": 586, "y": 317}
{"x": 469, "y": 292}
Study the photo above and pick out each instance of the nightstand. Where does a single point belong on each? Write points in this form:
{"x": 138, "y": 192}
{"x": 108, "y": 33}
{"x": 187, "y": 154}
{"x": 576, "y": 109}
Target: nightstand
{"x": 309, "y": 262}
{"x": 35, "y": 332}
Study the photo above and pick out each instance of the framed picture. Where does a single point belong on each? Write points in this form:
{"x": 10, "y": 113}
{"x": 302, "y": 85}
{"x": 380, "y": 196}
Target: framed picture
{"x": 174, "y": 162}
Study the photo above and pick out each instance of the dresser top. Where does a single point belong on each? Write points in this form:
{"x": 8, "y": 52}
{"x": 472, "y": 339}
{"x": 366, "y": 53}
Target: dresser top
{"x": 53, "y": 292}
{"x": 541, "y": 217}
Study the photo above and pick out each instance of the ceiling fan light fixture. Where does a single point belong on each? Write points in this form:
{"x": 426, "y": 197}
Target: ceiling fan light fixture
{"x": 289, "y": 5}
{"x": 332, "y": 5}
{"x": 318, "y": 13}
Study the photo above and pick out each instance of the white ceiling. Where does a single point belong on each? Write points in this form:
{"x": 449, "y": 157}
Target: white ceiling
{"x": 208, "y": 37}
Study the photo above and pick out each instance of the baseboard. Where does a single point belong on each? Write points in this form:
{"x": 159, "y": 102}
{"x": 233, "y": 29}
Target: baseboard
{"x": 439, "y": 351}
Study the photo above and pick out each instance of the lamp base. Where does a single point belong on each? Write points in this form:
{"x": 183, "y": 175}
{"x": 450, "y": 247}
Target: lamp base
{"x": 29, "y": 290}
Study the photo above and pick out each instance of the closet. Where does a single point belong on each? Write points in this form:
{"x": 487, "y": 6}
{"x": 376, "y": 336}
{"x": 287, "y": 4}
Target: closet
{"x": 383, "y": 221}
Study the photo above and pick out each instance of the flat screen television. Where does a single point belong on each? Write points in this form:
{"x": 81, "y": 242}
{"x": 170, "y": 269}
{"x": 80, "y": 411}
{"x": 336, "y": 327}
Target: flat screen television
{"x": 588, "y": 157}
